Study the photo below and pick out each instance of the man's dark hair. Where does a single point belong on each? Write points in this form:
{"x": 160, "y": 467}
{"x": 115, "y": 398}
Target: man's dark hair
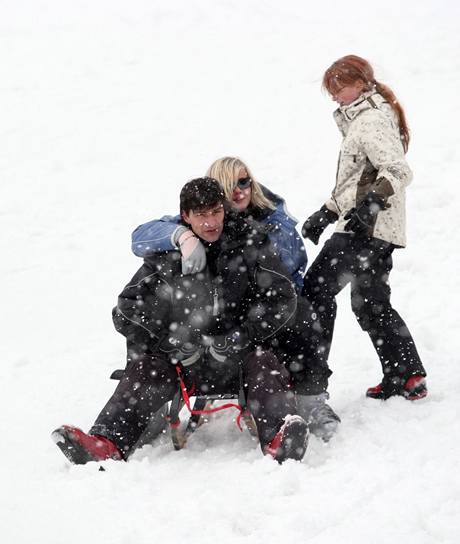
{"x": 201, "y": 193}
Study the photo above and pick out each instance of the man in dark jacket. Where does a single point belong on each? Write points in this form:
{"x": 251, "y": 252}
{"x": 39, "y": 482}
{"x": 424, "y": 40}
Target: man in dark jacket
{"x": 212, "y": 327}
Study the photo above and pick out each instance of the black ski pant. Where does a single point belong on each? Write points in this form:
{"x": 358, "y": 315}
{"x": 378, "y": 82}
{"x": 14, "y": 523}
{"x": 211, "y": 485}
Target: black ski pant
{"x": 150, "y": 381}
{"x": 366, "y": 264}
{"x": 300, "y": 348}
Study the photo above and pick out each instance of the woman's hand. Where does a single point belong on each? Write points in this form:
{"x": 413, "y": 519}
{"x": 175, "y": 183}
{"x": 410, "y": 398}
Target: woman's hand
{"x": 192, "y": 251}
{"x": 316, "y": 224}
{"x": 362, "y": 218}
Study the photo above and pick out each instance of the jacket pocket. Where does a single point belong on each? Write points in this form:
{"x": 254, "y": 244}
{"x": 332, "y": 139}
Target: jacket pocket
{"x": 349, "y": 164}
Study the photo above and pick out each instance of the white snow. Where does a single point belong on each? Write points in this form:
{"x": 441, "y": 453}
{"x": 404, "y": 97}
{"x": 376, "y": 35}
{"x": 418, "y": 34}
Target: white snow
{"x": 107, "y": 109}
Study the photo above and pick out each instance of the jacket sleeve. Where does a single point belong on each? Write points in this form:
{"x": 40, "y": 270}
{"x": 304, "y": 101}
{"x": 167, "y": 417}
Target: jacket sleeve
{"x": 274, "y": 299}
{"x": 142, "y": 308}
{"x": 287, "y": 242}
{"x": 381, "y": 143}
{"x": 291, "y": 251}
{"x": 155, "y": 236}
{"x": 331, "y": 205}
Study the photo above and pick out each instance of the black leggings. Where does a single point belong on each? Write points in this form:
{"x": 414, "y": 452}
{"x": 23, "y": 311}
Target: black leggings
{"x": 365, "y": 263}
{"x": 150, "y": 381}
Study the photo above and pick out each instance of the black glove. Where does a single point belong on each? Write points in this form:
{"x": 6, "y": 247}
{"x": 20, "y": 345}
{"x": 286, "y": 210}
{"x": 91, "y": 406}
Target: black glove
{"x": 222, "y": 346}
{"x": 185, "y": 353}
{"x": 315, "y": 225}
{"x": 362, "y": 218}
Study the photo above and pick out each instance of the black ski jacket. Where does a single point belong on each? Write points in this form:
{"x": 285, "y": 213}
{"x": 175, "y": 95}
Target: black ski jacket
{"x": 244, "y": 288}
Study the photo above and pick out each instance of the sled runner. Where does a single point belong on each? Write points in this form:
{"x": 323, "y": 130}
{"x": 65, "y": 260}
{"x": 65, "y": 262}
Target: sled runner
{"x": 202, "y": 407}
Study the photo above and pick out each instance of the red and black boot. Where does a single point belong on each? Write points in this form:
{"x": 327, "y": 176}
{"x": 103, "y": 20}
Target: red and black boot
{"x": 81, "y": 448}
{"x": 290, "y": 442}
{"x": 414, "y": 389}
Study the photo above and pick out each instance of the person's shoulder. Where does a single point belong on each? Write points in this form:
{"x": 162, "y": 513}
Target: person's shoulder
{"x": 374, "y": 122}
{"x": 280, "y": 214}
{"x": 268, "y": 193}
{"x": 163, "y": 264}
{"x": 375, "y": 109}
{"x": 243, "y": 230}
{"x": 258, "y": 232}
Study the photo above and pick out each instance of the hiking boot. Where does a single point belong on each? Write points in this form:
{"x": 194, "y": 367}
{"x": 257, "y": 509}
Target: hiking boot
{"x": 81, "y": 448}
{"x": 375, "y": 392}
{"x": 322, "y": 421}
{"x": 290, "y": 442}
{"x": 414, "y": 389}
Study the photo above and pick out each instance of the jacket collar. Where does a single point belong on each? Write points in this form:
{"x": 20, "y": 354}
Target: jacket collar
{"x": 345, "y": 114}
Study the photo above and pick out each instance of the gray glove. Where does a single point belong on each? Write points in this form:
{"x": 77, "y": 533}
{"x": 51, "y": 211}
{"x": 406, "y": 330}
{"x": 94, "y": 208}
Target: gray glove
{"x": 187, "y": 356}
{"x": 192, "y": 250}
{"x": 226, "y": 345}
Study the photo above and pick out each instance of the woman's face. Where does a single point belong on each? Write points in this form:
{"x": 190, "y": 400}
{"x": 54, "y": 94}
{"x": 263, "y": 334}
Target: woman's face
{"x": 241, "y": 198}
{"x": 349, "y": 93}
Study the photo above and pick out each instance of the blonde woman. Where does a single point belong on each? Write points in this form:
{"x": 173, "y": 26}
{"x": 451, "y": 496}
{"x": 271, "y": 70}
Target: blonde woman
{"x": 245, "y": 195}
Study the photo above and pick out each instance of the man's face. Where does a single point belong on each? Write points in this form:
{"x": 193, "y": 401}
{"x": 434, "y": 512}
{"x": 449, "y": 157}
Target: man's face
{"x": 207, "y": 223}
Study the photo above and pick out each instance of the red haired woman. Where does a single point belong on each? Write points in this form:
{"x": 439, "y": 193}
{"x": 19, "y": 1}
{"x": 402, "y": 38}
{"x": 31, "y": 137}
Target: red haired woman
{"x": 368, "y": 203}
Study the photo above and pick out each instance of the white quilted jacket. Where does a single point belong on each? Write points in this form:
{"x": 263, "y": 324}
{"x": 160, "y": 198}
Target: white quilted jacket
{"x": 371, "y": 150}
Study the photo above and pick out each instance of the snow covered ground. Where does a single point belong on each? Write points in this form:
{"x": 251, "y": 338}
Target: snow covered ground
{"x": 107, "y": 109}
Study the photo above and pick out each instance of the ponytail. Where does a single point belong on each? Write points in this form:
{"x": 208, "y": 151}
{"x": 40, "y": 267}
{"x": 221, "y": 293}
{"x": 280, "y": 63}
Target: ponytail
{"x": 390, "y": 97}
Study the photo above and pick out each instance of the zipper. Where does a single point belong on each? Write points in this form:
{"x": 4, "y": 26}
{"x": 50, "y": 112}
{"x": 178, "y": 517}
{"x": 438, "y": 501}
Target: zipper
{"x": 215, "y": 306}
{"x": 336, "y": 182}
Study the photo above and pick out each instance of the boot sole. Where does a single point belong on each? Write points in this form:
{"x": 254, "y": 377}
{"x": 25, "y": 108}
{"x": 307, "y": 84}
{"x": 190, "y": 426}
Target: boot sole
{"x": 378, "y": 396}
{"x": 418, "y": 393}
{"x": 295, "y": 442}
{"x": 65, "y": 440}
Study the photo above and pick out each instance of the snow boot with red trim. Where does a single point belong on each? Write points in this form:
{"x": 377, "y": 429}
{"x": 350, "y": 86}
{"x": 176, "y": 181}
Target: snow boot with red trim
{"x": 81, "y": 448}
{"x": 414, "y": 389}
{"x": 290, "y": 442}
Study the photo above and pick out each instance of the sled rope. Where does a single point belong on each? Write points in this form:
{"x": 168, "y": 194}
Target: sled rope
{"x": 186, "y": 398}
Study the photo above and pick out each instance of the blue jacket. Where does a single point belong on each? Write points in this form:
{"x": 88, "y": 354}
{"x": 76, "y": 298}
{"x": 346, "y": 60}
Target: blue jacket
{"x": 157, "y": 235}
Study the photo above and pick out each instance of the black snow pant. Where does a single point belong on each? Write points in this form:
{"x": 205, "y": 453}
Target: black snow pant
{"x": 300, "y": 348}
{"x": 150, "y": 381}
{"x": 365, "y": 263}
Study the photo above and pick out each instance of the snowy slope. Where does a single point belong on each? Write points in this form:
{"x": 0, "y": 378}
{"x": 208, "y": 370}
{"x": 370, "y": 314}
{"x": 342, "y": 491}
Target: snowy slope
{"x": 107, "y": 109}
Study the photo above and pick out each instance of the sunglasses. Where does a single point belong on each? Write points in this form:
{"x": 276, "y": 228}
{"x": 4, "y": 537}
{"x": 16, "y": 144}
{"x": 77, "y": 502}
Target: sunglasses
{"x": 244, "y": 183}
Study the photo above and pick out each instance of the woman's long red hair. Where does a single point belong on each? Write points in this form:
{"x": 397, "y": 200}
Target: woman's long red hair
{"x": 351, "y": 68}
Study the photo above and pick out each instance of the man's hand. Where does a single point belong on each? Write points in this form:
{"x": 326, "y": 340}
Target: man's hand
{"x": 362, "y": 218}
{"x": 192, "y": 251}
{"x": 186, "y": 353}
{"x": 315, "y": 225}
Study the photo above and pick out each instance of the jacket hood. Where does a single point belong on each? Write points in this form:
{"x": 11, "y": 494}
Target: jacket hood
{"x": 276, "y": 199}
{"x": 281, "y": 208}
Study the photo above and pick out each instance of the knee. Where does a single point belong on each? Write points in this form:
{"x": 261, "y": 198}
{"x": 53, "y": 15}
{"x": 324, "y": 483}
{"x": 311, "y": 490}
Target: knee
{"x": 369, "y": 313}
{"x": 148, "y": 370}
{"x": 263, "y": 367}
{"x": 259, "y": 362}
{"x": 309, "y": 379}
{"x": 362, "y": 311}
